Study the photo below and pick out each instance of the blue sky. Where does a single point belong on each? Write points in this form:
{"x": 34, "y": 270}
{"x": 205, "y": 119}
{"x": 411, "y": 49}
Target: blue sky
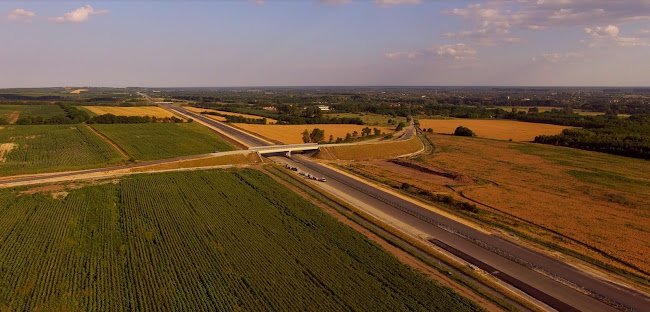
{"x": 325, "y": 42}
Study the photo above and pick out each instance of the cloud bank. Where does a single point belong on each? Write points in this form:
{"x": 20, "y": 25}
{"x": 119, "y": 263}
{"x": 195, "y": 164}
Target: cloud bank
{"x": 79, "y": 15}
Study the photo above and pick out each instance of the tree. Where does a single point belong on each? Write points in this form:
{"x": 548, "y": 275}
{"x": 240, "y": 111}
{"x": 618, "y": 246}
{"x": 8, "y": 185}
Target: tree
{"x": 430, "y": 130}
{"x": 377, "y": 131}
{"x": 305, "y": 136}
{"x": 355, "y": 133}
{"x": 463, "y": 131}
{"x": 400, "y": 126}
{"x": 317, "y": 135}
{"x": 331, "y": 138}
{"x": 533, "y": 110}
{"x": 405, "y": 186}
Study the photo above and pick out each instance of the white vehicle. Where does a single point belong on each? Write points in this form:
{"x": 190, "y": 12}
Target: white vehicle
{"x": 323, "y": 180}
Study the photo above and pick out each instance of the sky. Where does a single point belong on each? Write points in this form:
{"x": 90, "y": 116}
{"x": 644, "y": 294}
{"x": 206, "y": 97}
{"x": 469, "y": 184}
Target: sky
{"x": 325, "y": 42}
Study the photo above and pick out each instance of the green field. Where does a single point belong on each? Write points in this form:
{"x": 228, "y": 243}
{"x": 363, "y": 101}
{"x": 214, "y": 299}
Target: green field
{"x": 197, "y": 241}
{"x": 371, "y": 119}
{"x": 44, "y": 148}
{"x": 35, "y": 110}
{"x": 163, "y": 140}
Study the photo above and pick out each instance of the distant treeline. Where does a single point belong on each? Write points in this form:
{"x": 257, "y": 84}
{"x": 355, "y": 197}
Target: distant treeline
{"x": 114, "y": 119}
{"x": 17, "y": 97}
{"x": 74, "y": 115}
{"x": 237, "y": 118}
{"x": 626, "y": 136}
{"x": 286, "y": 114}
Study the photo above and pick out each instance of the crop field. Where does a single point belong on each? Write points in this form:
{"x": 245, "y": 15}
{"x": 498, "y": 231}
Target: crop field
{"x": 33, "y": 149}
{"x": 381, "y": 150}
{"x": 549, "y": 108}
{"x": 13, "y": 112}
{"x": 494, "y": 129}
{"x": 597, "y": 199}
{"x": 219, "y": 118}
{"x": 196, "y": 241}
{"x": 292, "y": 134}
{"x": 152, "y": 141}
{"x": 154, "y": 111}
{"x": 370, "y": 119}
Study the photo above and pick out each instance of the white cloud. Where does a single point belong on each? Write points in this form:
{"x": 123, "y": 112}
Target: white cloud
{"x": 21, "y": 15}
{"x": 390, "y": 3}
{"x": 608, "y": 36}
{"x": 644, "y": 33}
{"x": 257, "y": 2}
{"x": 564, "y": 58}
{"x": 497, "y": 18}
{"x": 456, "y": 52}
{"x": 79, "y": 15}
{"x": 333, "y": 2}
{"x": 607, "y": 31}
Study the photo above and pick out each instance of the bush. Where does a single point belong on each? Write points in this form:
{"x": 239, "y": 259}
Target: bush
{"x": 463, "y": 131}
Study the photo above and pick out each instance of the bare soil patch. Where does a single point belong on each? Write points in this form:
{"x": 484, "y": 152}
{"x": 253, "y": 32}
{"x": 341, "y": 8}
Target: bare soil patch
{"x": 13, "y": 117}
{"x": 5, "y": 148}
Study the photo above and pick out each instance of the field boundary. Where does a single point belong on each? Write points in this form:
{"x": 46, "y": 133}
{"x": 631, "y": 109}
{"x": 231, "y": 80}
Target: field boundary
{"x": 109, "y": 141}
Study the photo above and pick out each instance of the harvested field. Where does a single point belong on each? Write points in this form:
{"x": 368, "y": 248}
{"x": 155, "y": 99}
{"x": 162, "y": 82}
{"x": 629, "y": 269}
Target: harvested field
{"x": 598, "y": 199}
{"x": 78, "y": 91}
{"x": 494, "y": 129}
{"x": 370, "y": 119}
{"x": 292, "y": 134}
{"x": 154, "y": 111}
{"x": 382, "y": 150}
{"x": 219, "y": 118}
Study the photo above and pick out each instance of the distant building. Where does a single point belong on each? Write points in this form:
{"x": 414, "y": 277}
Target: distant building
{"x": 323, "y": 108}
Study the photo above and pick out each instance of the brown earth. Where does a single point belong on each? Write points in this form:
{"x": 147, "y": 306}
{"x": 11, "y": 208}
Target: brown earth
{"x": 596, "y": 199}
{"x": 13, "y": 117}
{"x": 380, "y": 150}
{"x": 5, "y": 148}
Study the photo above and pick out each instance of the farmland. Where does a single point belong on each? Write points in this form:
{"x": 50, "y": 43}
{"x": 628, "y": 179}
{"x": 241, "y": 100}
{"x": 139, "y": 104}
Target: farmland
{"x": 13, "y": 112}
{"x": 381, "y": 150}
{"x": 219, "y": 118}
{"x": 370, "y": 119}
{"x": 292, "y": 134}
{"x": 596, "y": 199}
{"x": 494, "y": 129}
{"x": 207, "y": 240}
{"x": 162, "y": 140}
{"x": 153, "y": 111}
{"x": 33, "y": 149}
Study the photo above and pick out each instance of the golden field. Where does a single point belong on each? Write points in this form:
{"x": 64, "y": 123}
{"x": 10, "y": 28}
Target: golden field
{"x": 219, "y": 118}
{"x": 494, "y": 129}
{"x": 154, "y": 111}
{"x": 292, "y": 134}
{"x": 598, "y": 199}
{"x": 379, "y": 150}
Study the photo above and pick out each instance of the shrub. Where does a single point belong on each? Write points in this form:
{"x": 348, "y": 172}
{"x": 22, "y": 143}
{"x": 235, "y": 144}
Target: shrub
{"x": 463, "y": 131}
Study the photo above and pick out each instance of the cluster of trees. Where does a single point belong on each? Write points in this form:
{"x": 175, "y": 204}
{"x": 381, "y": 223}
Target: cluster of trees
{"x": 318, "y": 136}
{"x": 73, "y": 115}
{"x": 464, "y": 131}
{"x": 114, "y": 119}
{"x": 629, "y": 138}
{"x": 440, "y": 198}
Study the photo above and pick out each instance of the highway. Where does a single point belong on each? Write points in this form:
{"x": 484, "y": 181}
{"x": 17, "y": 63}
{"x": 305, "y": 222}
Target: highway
{"x": 540, "y": 276}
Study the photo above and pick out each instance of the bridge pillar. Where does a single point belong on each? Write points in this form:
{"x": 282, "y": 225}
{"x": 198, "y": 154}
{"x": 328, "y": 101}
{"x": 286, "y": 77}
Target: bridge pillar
{"x": 288, "y": 154}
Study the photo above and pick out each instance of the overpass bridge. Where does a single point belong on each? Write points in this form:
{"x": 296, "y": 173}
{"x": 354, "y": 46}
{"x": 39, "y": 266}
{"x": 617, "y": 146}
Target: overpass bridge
{"x": 287, "y": 149}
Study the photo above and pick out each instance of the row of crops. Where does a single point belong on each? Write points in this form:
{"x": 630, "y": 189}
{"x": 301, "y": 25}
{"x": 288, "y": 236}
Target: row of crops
{"x": 197, "y": 241}
{"x": 163, "y": 140}
{"x": 35, "y": 149}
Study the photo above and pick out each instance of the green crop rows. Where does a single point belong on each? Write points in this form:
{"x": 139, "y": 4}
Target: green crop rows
{"x": 46, "y": 148}
{"x": 197, "y": 241}
{"x": 31, "y": 110}
{"x": 163, "y": 140}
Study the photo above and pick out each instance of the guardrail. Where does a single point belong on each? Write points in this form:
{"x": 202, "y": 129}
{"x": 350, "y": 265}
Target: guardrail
{"x": 287, "y": 147}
